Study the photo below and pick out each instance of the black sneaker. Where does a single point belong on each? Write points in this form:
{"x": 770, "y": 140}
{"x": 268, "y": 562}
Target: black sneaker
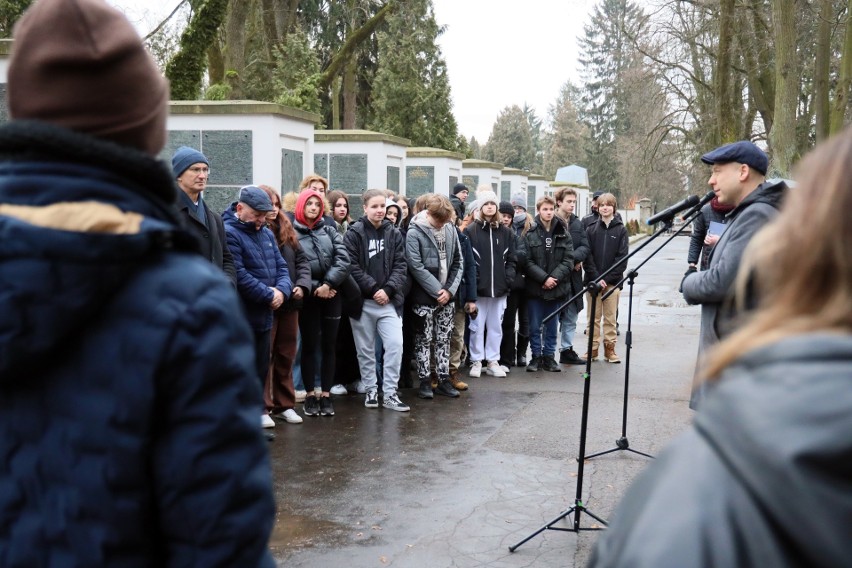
{"x": 548, "y": 363}
{"x": 425, "y": 390}
{"x": 371, "y": 399}
{"x": 570, "y": 357}
{"x": 312, "y": 407}
{"x": 522, "y": 361}
{"x": 326, "y": 408}
{"x": 445, "y": 388}
{"x": 533, "y": 365}
{"x": 392, "y": 402}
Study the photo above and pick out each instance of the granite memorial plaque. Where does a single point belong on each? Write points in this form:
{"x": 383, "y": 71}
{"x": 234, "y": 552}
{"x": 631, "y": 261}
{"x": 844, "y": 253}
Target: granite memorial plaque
{"x": 419, "y": 180}
{"x": 320, "y": 165}
{"x": 393, "y": 179}
{"x": 220, "y": 198}
{"x": 453, "y": 181}
{"x": 356, "y": 206}
{"x": 531, "y": 196}
{"x": 471, "y": 182}
{"x": 230, "y": 155}
{"x": 178, "y": 138}
{"x": 505, "y": 191}
{"x": 4, "y": 107}
{"x": 291, "y": 170}
{"x": 348, "y": 172}
{"x": 494, "y": 186}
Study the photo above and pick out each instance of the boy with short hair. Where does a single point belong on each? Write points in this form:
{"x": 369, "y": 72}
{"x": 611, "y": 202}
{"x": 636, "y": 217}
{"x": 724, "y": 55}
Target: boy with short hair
{"x": 549, "y": 262}
{"x": 376, "y": 250}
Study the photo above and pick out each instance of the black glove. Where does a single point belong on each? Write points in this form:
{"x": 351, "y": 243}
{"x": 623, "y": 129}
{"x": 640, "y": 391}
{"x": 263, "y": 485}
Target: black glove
{"x": 689, "y": 271}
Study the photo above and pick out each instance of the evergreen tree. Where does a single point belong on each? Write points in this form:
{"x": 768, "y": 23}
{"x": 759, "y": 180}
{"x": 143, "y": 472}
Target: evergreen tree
{"x": 566, "y": 144}
{"x": 10, "y": 11}
{"x": 606, "y": 52}
{"x": 537, "y": 134}
{"x": 411, "y": 89}
{"x": 511, "y": 141}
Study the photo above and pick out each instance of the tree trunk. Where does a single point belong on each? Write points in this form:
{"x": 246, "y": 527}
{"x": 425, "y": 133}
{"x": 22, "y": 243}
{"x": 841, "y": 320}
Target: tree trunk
{"x": 335, "y": 104}
{"x": 350, "y": 94}
{"x": 841, "y": 96}
{"x": 235, "y": 46}
{"x": 726, "y": 128}
{"x": 215, "y": 64}
{"x": 185, "y": 71}
{"x": 270, "y": 26}
{"x": 782, "y": 139}
{"x": 821, "y": 69}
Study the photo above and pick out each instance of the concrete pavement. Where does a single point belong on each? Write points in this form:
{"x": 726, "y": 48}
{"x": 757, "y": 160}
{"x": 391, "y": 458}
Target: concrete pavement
{"x": 455, "y": 482}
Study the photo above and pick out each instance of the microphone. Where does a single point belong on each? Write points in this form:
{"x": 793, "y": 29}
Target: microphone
{"x": 668, "y": 214}
{"x": 704, "y": 201}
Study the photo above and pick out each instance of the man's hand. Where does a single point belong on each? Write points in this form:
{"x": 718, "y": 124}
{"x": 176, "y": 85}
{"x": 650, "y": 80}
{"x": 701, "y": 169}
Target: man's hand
{"x": 692, "y": 269}
{"x": 550, "y": 283}
{"x": 277, "y": 298}
{"x": 711, "y": 240}
{"x": 444, "y": 297}
{"x": 469, "y": 307}
{"x": 381, "y": 297}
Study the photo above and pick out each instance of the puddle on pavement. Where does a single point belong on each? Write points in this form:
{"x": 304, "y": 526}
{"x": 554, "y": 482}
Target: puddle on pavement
{"x": 299, "y": 531}
{"x": 661, "y": 304}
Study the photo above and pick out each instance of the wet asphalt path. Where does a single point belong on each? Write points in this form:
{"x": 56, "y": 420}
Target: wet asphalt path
{"x": 455, "y": 482}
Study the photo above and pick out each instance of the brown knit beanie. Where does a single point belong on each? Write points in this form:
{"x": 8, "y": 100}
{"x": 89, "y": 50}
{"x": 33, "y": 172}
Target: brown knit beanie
{"x": 81, "y": 65}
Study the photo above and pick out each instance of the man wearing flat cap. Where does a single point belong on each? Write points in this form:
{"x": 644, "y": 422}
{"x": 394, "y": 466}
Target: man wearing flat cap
{"x": 738, "y": 177}
{"x": 263, "y": 280}
{"x": 191, "y": 170}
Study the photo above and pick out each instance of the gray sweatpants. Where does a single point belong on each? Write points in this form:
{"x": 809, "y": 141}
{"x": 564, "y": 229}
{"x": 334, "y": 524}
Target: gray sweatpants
{"x": 384, "y": 321}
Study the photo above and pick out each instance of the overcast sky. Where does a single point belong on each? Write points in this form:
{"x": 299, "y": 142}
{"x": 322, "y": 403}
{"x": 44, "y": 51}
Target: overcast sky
{"x": 496, "y": 56}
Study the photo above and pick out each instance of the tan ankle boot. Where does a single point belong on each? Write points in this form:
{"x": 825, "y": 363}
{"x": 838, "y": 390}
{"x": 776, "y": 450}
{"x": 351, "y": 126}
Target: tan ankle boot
{"x": 594, "y": 355}
{"x": 609, "y": 353}
{"x": 457, "y": 384}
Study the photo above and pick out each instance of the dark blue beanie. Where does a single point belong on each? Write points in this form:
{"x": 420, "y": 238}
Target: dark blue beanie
{"x": 185, "y": 157}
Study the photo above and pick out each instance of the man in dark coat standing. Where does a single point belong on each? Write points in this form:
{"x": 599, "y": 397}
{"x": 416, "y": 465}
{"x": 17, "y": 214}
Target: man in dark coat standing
{"x": 457, "y": 200}
{"x": 738, "y": 177}
{"x": 566, "y": 201}
{"x": 128, "y": 407}
{"x": 192, "y": 170}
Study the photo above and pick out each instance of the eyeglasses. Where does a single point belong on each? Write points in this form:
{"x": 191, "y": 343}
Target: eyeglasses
{"x": 197, "y": 170}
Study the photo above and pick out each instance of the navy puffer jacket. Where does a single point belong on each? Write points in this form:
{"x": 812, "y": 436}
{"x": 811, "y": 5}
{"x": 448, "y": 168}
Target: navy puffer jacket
{"x": 259, "y": 267}
{"x": 128, "y": 401}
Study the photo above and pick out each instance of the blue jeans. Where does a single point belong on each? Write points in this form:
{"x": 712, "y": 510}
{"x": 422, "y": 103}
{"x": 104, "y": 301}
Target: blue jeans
{"x": 568, "y": 323}
{"x": 539, "y": 309}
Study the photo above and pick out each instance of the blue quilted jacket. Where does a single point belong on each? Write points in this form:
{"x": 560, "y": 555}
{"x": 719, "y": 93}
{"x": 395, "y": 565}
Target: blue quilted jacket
{"x": 129, "y": 432}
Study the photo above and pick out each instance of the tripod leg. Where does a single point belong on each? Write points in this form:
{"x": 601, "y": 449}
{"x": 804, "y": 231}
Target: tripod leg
{"x": 561, "y": 516}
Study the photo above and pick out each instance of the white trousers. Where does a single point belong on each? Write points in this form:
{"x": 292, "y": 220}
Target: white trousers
{"x": 486, "y": 331}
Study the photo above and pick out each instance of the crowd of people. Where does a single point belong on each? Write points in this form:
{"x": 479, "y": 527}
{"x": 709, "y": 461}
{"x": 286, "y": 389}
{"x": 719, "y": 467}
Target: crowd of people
{"x": 428, "y": 286}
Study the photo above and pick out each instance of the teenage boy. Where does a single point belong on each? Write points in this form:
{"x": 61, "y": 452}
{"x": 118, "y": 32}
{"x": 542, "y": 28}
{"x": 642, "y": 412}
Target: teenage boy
{"x": 549, "y": 263}
{"x": 608, "y": 241}
{"x": 566, "y": 201}
{"x": 377, "y": 252}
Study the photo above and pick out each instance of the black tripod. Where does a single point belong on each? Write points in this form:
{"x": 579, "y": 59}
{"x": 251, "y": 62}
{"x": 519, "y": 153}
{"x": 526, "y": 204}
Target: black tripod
{"x": 578, "y": 507}
{"x": 623, "y": 444}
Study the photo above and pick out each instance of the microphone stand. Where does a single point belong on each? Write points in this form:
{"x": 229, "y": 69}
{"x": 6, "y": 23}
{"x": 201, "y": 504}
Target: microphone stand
{"x": 623, "y": 444}
{"x": 593, "y": 288}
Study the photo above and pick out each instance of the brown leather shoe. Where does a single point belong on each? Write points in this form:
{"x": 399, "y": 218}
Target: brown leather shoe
{"x": 609, "y": 353}
{"x": 594, "y": 355}
{"x": 457, "y": 384}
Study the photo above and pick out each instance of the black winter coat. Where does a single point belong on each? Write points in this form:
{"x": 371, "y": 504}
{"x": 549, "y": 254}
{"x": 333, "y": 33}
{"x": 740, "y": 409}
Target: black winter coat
{"x": 494, "y": 253}
{"x": 396, "y": 285}
{"x": 582, "y": 251}
{"x": 540, "y": 265}
{"x": 467, "y": 288}
{"x": 608, "y": 244}
{"x": 697, "y": 248}
{"x": 210, "y": 234}
{"x": 129, "y": 402}
{"x": 326, "y": 254}
{"x": 299, "y": 269}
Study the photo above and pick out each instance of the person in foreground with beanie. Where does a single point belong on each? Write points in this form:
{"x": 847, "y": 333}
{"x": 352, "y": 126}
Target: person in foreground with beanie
{"x": 192, "y": 169}
{"x": 128, "y": 404}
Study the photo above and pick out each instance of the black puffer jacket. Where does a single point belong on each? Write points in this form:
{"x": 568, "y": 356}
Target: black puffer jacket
{"x": 396, "y": 285}
{"x": 582, "y": 251}
{"x": 540, "y": 264}
{"x": 763, "y": 477}
{"x": 326, "y": 253}
{"x": 608, "y": 244}
{"x": 494, "y": 254}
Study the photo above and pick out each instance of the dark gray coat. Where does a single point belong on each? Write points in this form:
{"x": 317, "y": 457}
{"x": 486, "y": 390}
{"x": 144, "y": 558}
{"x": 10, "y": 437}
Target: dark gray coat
{"x": 421, "y": 253}
{"x": 763, "y": 477}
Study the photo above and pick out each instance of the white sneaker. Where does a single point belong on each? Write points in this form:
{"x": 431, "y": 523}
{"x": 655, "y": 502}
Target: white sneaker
{"x": 338, "y": 389}
{"x": 290, "y": 416}
{"x": 300, "y": 396}
{"x": 357, "y": 386}
{"x": 505, "y": 369}
{"x": 266, "y": 421}
{"x": 475, "y": 369}
{"x": 494, "y": 369}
